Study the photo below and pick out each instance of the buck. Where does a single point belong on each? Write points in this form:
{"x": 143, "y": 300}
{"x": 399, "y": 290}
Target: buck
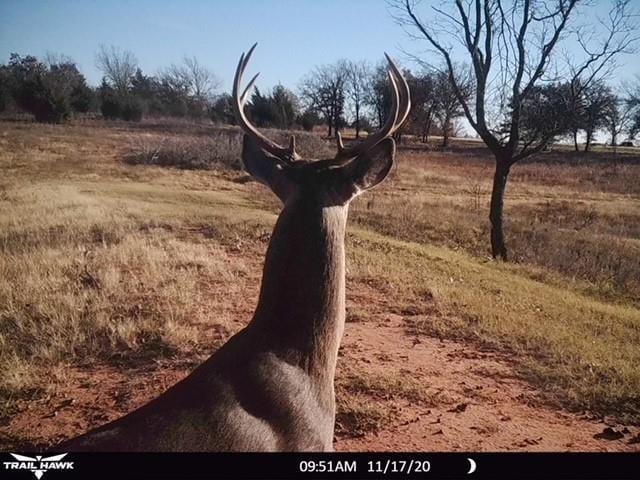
{"x": 271, "y": 386}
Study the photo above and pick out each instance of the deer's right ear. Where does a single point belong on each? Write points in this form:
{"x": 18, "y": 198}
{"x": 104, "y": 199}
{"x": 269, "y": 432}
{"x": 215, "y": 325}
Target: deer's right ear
{"x": 369, "y": 168}
{"x": 266, "y": 168}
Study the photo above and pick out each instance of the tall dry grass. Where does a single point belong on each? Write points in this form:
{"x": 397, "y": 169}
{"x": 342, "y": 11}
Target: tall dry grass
{"x": 79, "y": 282}
{"x": 216, "y": 147}
{"x": 94, "y": 263}
{"x": 565, "y": 222}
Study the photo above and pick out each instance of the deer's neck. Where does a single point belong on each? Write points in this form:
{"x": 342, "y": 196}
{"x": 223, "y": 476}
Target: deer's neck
{"x": 302, "y": 298}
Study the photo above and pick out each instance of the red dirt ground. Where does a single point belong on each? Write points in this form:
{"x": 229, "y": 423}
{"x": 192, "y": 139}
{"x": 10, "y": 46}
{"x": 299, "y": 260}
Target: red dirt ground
{"x": 482, "y": 413}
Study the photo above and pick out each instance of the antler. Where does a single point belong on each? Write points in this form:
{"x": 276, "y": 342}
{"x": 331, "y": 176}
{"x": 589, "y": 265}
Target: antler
{"x": 287, "y": 155}
{"x": 400, "y": 107}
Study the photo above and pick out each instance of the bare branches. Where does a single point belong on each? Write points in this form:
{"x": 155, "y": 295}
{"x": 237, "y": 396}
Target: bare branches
{"x": 511, "y": 45}
{"x": 400, "y": 108}
{"x": 620, "y": 38}
{"x": 324, "y": 91}
{"x": 563, "y": 12}
{"x": 358, "y": 76}
{"x": 202, "y": 81}
{"x": 197, "y": 80}
{"x": 408, "y": 6}
{"x": 118, "y": 66}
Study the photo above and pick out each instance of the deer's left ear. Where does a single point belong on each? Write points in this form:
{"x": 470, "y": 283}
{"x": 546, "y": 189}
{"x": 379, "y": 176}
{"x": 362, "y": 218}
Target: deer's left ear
{"x": 369, "y": 168}
{"x": 266, "y": 168}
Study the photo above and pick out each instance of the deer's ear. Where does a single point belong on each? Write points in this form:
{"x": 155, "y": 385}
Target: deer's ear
{"x": 369, "y": 168}
{"x": 266, "y": 168}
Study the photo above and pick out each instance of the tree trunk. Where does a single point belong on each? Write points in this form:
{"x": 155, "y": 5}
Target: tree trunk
{"x": 587, "y": 143}
{"x": 575, "y": 140}
{"x": 445, "y": 133}
{"x": 357, "y": 122}
{"x": 427, "y": 129}
{"x": 329, "y": 127}
{"x": 498, "y": 248}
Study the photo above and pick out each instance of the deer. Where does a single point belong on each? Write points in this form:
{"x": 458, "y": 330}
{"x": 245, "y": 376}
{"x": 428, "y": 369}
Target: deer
{"x": 270, "y": 387}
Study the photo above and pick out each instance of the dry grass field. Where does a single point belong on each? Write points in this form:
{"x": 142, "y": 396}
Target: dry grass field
{"x": 128, "y": 253}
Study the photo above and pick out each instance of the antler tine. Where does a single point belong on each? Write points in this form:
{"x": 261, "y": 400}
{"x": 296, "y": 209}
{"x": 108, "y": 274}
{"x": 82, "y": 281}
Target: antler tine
{"x": 405, "y": 94}
{"x": 285, "y": 154}
{"x": 392, "y": 123}
{"x": 243, "y": 97}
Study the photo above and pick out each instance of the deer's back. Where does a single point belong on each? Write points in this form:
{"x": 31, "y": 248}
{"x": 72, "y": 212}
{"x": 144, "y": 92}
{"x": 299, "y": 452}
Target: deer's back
{"x": 243, "y": 398}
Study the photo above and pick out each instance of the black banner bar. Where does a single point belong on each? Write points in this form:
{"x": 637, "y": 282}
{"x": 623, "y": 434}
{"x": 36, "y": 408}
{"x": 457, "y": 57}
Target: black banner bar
{"x": 284, "y": 466}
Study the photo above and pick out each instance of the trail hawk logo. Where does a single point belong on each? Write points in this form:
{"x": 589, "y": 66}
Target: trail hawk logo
{"x": 39, "y": 465}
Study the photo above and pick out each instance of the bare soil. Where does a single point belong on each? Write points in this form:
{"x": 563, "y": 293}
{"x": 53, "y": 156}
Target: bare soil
{"x": 485, "y": 406}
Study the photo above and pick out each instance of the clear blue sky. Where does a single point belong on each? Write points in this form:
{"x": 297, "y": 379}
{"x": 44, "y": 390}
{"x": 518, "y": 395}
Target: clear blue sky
{"x": 293, "y": 35}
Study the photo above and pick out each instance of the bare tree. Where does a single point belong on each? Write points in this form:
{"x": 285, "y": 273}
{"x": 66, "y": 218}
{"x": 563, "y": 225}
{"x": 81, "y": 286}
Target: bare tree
{"x": 618, "y": 117}
{"x": 324, "y": 91}
{"x": 600, "y": 105}
{"x": 357, "y": 84}
{"x": 512, "y": 47}
{"x": 633, "y": 106}
{"x": 377, "y": 95}
{"x": 118, "y": 66}
{"x": 199, "y": 81}
{"x": 192, "y": 83}
{"x": 447, "y": 105}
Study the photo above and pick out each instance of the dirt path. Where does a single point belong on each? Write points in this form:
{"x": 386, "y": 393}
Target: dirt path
{"x": 482, "y": 406}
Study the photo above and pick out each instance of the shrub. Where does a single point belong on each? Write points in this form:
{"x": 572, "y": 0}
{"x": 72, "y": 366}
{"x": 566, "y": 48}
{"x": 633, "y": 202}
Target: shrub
{"x": 110, "y": 108}
{"x": 220, "y": 149}
{"x": 47, "y": 92}
{"x": 125, "y": 106}
{"x": 276, "y": 110}
{"x": 131, "y": 109}
{"x": 82, "y": 98}
{"x": 5, "y": 92}
{"x": 309, "y": 119}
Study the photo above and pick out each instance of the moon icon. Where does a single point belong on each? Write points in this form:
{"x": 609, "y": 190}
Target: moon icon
{"x": 472, "y": 466}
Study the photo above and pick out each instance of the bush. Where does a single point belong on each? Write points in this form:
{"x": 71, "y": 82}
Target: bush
{"x": 110, "y": 108}
{"x": 35, "y": 97}
{"x": 131, "y": 109}
{"x": 82, "y": 98}
{"x": 48, "y": 92}
{"x": 220, "y": 149}
{"x": 275, "y": 110}
{"x": 125, "y": 106}
{"x": 5, "y": 91}
{"x": 308, "y": 120}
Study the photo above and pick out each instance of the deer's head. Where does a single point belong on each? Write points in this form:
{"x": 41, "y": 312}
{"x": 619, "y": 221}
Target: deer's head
{"x": 331, "y": 182}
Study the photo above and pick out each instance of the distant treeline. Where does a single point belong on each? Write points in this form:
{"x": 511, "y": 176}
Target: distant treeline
{"x": 343, "y": 94}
